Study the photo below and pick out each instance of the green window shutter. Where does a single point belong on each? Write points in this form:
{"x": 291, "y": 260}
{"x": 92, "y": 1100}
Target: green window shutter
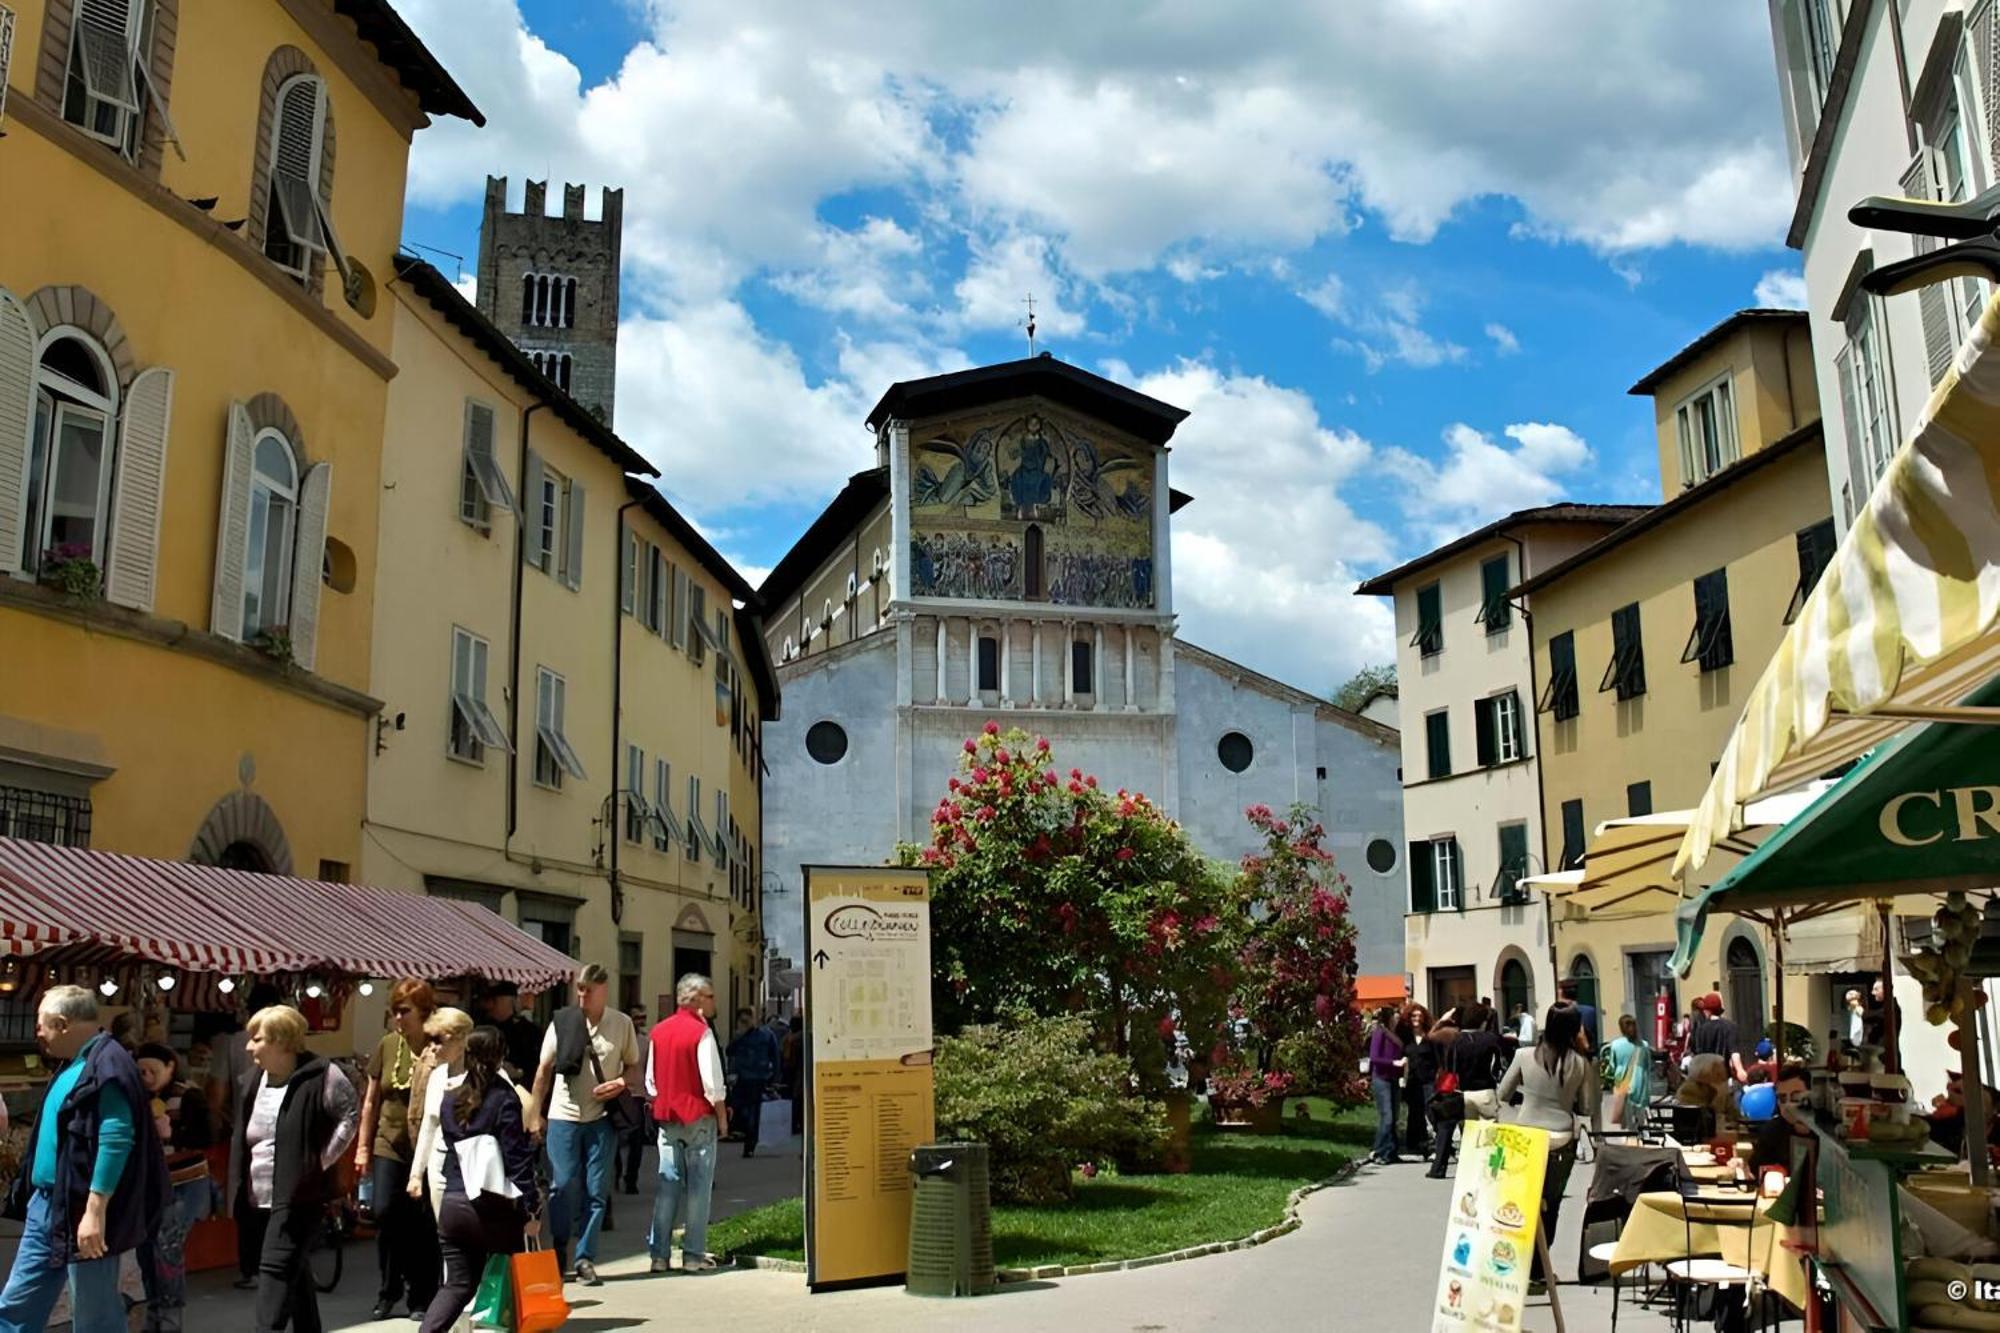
{"x": 1437, "y": 740}
{"x": 1423, "y": 890}
{"x": 1513, "y": 858}
{"x": 1638, "y": 799}
{"x": 1573, "y": 844}
{"x": 1486, "y": 732}
{"x": 1429, "y": 638}
{"x": 1494, "y": 610}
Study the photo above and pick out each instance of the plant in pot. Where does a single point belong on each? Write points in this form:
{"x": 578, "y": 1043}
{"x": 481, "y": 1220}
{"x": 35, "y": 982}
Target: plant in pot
{"x": 1240, "y": 1096}
{"x": 69, "y": 570}
{"x": 275, "y": 643}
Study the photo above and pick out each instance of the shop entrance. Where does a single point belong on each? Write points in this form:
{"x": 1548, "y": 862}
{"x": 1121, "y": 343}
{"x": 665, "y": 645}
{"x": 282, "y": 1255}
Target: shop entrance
{"x": 1452, "y": 988}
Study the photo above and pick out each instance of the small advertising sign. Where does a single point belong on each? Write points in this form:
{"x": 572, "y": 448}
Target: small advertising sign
{"x": 1489, "y": 1238}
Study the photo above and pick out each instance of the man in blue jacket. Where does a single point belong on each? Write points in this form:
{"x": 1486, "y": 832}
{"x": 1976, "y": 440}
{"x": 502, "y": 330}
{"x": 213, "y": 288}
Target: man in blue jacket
{"x": 97, "y": 1179}
{"x": 753, "y": 1063}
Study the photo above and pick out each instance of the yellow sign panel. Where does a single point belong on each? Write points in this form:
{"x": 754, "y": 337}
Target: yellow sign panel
{"x": 868, "y": 1026}
{"x": 1489, "y": 1238}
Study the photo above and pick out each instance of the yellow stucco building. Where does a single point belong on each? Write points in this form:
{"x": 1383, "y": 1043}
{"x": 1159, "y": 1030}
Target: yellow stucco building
{"x": 195, "y": 360}
{"x": 574, "y": 680}
{"x": 1647, "y": 643}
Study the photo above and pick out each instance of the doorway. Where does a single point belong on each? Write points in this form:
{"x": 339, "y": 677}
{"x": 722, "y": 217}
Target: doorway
{"x": 1516, "y": 991}
{"x": 1452, "y": 988}
{"x": 1745, "y": 973}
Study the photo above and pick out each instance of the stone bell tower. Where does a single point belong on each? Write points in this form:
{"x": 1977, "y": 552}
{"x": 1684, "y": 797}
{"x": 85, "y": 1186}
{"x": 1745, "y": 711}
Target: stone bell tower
{"x": 551, "y": 285}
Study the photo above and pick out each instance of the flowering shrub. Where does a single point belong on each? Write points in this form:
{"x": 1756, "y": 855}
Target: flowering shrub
{"x": 1239, "y": 1085}
{"x": 1298, "y": 965}
{"x": 1053, "y": 895}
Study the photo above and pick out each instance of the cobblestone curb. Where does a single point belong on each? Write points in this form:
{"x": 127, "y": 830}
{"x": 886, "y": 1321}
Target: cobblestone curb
{"x": 1290, "y": 1223}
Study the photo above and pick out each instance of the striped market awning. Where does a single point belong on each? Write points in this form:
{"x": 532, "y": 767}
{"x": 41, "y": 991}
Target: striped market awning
{"x": 202, "y": 919}
{"x": 1903, "y": 626}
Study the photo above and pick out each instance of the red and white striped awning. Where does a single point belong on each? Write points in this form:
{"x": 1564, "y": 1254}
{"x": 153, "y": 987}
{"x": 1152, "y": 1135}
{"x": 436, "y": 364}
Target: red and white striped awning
{"x": 205, "y": 919}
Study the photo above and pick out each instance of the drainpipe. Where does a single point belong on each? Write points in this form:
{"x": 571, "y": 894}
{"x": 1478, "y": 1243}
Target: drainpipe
{"x": 614, "y": 829}
{"x": 514, "y": 634}
{"x": 1791, "y": 397}
{"x": 1541, "y": 792}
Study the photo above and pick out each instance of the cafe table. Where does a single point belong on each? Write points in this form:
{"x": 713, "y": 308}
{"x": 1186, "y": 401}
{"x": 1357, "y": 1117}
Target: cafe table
{"x": 1666, "y": 1225}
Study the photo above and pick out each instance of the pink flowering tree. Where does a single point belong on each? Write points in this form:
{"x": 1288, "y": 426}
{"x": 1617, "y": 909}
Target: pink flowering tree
{"x": 1053, "y": 895}
{"x": 1298, "y": 965}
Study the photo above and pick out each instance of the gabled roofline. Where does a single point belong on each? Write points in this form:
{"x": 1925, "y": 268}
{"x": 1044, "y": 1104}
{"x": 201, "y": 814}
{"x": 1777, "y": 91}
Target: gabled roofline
{"x": 1366, "y": 727}
{"x": 855, "y": 501}
{"x": 1688, "y": 499}
{"x": 400, "y": 49}
{"x": 448, "y": 301}
{"x": 1107, "y": 400}
{"x": 1383, "y": 585}
{"x": 750, "y": 629}
{"x": 1674, "y": 364}
{"x": 662, "y": 511}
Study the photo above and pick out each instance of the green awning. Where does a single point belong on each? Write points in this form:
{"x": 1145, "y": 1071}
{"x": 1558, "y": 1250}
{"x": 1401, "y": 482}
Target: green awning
{"x": 1919, "y": 815}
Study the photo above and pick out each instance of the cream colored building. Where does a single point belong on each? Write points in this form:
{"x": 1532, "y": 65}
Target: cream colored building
{"x": 1472, "y": 809}
{"x": 574, "y": 683}
{"x": 1649, "y": 641}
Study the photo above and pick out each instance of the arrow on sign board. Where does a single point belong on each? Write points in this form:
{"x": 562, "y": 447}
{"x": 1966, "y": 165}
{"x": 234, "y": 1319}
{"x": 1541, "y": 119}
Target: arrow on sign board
{"x": 822, "y": 959}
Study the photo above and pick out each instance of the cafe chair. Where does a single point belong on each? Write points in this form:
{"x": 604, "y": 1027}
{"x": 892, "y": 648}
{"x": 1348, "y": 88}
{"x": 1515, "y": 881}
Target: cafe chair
{"x": 1696, "y": 1273}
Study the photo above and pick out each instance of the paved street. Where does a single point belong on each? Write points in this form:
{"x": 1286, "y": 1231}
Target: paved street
{"x": 1366, "y": 1256}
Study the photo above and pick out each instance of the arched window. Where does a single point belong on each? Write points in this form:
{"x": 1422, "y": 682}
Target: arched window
{"x": 267, "y": 558}
{"x": 297, "y": 229}
{"x": 562, "y": 372}
{"x": 1516, "y": 989}
{"x": 1584, "y": 973}
{"x": 1745, "y": 1003}
{"x": 1031, "y": 544}
{"x": 67, "y": 483}
{"x": 527, "y": 298}
{"x": 569, "y": 304}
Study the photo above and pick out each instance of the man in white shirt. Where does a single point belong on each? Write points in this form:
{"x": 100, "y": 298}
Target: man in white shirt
{"x": 585, "y": 1054}
{"x": 690, "y": 1102}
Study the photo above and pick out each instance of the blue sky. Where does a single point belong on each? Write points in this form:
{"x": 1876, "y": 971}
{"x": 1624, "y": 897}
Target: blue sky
{"x": 1402, "y": 261}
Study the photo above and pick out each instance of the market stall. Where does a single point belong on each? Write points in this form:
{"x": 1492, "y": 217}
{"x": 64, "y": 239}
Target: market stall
{"x": 172, "y": 944}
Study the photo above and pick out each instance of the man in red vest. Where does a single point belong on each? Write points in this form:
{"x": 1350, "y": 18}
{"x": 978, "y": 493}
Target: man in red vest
{"x": 690, "y": 1104}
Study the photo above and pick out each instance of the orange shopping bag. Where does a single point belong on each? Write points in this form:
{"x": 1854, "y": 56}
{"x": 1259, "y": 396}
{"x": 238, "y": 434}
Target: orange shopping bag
{"x": 538, "y": 1291}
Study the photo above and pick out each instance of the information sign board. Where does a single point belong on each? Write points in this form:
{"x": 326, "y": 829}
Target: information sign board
{"x": 1489, "y": 1237}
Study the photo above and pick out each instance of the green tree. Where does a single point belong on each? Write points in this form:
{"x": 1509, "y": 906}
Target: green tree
{"x": 1052, "y": 895}
{"x": 1364, "y": 683}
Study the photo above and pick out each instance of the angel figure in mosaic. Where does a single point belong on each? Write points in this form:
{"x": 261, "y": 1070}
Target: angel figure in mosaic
{"x": 971, "y": 479}
{"x": 1092, "y": 481}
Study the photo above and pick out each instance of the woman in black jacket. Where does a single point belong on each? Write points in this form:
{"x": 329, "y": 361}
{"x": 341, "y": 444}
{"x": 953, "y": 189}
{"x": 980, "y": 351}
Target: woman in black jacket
{"x": 1473, "y": 1058}
{"x": 480, "y": 1122}
{"x": 297, "y": 1117}
{"x": 1419, "y": 1077}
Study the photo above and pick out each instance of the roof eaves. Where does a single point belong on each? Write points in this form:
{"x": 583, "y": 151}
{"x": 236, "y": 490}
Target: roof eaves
{"x": 1653, "y": 378}
{"x": 663, "y": 512}
{"x": 377, "y": 23}
{"x": 1686, "y": 500}
{"x": 1119, "y": 405}
{"x": 750, "y": 629}
{"x": 1382, "y": 585}
{"x": 448, "y": 301}
{"x": 863, "y": 491}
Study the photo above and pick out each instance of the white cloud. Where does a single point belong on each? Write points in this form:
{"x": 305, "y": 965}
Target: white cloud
{"x": 1265, "y": 559}
{"x": 1782, "y": 289}
{"x": 1480, "y": 479}
{"x": 998, "y": 281}
{"x": 865, "y": 272}
{"x": 1504, "y": 341}
{"x": 468, "y": 286}
{"x": 1389, "y": 330}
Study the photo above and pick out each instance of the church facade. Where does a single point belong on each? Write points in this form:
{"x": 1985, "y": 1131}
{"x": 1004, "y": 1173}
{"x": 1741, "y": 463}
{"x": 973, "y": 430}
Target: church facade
{"x": 1008, "y": 558}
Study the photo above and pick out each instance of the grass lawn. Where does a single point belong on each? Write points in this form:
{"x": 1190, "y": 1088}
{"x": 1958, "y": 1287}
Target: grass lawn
{"x": 1238, "y": 1185}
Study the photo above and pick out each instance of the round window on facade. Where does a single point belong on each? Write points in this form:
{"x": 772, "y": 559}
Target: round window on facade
{"x": 1235, "y": 751}
{"x": 826, "y": 742}
{"x": 1381, "y": 856}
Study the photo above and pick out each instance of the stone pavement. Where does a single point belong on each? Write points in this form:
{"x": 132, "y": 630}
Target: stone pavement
{"x": 1366, "y": 1257}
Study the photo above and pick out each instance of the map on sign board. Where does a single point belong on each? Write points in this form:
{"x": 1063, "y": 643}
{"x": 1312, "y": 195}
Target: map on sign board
{"x": 871, "y": 976}
{"x": 1489, "y": 1238}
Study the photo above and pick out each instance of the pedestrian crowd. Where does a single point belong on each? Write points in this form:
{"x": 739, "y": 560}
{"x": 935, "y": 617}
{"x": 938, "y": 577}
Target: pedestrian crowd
{"x": 470, "y": 1136}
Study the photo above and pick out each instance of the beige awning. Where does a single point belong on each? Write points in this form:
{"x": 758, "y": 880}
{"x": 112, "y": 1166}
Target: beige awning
{"x": 1905, "y": 622}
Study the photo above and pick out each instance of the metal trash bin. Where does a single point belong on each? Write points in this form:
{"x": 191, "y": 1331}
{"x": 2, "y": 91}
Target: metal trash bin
{"x": 951, "y": 1221}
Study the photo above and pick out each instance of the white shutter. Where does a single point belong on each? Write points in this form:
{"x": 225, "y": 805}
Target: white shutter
{"x": 532, "y": 531}
{"x": 232, "y": 526}
{"x": 308, "y": 558}
{"x": 17, "y": 418}
{"x": 1850, "y": 414}
{"x": 295, "y": 152}
{"x": 6, "y": 54}
{"x": 1980, "y": 59}
{"x": 1932, "y": 301}
{"x": 573, "y": 565}
{"x": 628, "y": 568}
{"x": 680, "y": 607}
{"x": 139, "y": 490}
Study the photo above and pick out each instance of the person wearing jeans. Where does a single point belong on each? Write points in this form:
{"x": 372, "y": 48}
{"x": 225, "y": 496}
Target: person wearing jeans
{"x": 180, "y": 1117}
{"x": 1385, "y": 1065}
{"x": 690, "y": 1102}
{"x": 585, "y": 1055}
{"x": 97, "y": 1177}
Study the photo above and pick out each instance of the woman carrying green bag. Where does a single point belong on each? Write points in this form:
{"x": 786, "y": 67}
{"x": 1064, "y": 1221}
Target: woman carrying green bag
{"x": 490, "y": 1194}
{"x": 493, "y": 1306}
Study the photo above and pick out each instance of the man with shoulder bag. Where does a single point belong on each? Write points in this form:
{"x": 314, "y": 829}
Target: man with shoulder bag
{"x": 579, "y": 1088}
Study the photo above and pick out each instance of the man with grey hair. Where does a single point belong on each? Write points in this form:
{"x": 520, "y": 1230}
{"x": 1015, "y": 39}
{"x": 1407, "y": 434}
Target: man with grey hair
{"x": 690, "y": 1103}
{"x": 96, "y": 1184}
{"x": 585, "y": 1054}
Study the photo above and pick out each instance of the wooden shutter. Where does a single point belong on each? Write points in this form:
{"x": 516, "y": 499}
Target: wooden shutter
{"x": 1485, "y": 732}
{"x": 1423, "y": 885}
{"x": 308, "y": 557}
{"x": 533, "y": 534}
{"x": 628, "y": 564}
{"x": 1983, "y": 67}
{"x": 1933, "y": 301}
{"x": 1513, "y": 855}
{"x": 138, "y": 487}
{"x": 681, "y": 609}
{"x": 573, "y": 564}
{"x": 232, "y": 527}
{"x": 17, "y": 418}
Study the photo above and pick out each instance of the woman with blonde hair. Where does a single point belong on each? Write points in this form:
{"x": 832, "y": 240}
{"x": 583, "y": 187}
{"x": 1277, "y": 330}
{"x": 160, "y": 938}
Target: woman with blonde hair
{"x": 296, "y": 1119}
{"x": 443, "y": 1071}
{"x": 406, "y": 1245}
